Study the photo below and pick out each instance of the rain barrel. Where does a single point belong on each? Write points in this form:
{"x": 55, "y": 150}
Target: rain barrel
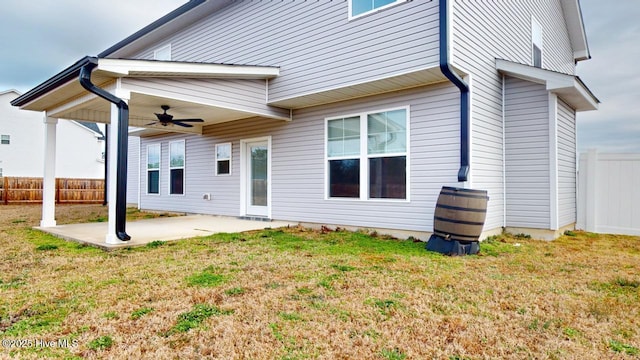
{"x": 460, "y": 214}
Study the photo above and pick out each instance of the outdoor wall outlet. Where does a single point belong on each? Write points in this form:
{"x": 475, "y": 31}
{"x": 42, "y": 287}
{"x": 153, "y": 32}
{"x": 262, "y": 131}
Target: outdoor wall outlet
{"x": 206, "y": 196}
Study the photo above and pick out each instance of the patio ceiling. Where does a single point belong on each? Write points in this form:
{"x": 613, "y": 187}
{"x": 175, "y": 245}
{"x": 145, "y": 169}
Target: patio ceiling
{"x": 213, "y": 92}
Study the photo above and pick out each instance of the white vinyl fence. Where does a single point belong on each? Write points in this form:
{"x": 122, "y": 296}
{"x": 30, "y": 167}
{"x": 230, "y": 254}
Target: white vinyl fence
{"x": 609, "y": 193}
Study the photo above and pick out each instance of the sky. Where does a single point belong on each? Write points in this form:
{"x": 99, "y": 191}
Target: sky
{"x": 42, "y": 37}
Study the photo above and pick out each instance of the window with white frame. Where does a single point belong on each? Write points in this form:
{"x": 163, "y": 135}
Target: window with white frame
{"x": 176, "y": 167}
{"x": 223, "y": 159}
{"x": 153, "y": 169}
{"x": 367, "y": 155}
{"x": 163, "y": 53}
{"x": 5, "y": 139}
{"x": 536, "y": 43}
{"x": 361, "y": 7}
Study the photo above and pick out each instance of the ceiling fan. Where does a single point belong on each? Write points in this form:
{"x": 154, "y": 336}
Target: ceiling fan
{"x": 165, "y": 119}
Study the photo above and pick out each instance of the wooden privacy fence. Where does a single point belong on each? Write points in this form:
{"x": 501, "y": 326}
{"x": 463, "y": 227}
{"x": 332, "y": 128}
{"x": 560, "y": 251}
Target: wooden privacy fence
{"x": 24, "y": 190}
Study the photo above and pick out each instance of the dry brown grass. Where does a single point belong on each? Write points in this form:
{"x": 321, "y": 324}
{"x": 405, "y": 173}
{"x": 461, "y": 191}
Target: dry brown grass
{"x": 301, "y": 294}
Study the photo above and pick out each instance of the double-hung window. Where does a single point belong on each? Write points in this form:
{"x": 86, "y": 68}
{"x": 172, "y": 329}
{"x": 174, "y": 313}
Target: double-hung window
{"x": 367, "y": 155}
{"x": 223, "y": 159}
{"x": 153, "y": 169}
{"x": 536, "y": 43}
{"x": 361, "y": 7}
{"x": 176, "y": 167}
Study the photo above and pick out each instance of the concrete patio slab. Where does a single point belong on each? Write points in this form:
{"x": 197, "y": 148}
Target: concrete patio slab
{"x": 145, "y": 231}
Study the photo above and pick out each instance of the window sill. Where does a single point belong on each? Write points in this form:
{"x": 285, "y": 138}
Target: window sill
{"x": 396, "y": 201}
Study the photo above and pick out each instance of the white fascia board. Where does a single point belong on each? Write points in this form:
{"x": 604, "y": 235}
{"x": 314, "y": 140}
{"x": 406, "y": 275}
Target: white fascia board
{"x": 575, "y": 26}
{"x": 581, "y": 98}
{"x": 586, "y": 94}
{"x": 580, "y": 55}
{"x": 142, "y": 68}
{"x": 549, "y": 78}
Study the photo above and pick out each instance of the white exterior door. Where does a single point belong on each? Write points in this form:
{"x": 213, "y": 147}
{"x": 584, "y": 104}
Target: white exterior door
{"x": 256, "y": 165}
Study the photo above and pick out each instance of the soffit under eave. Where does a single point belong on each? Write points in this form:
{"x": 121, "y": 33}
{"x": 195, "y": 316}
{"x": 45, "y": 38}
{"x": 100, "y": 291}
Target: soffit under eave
{"x": 572, "y": 13}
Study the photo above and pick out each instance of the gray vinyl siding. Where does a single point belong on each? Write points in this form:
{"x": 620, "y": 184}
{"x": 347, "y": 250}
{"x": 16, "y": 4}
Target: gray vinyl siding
{"x": 133, "y": 170}
{"x": 313, "y": 42}
{"x": 298, "y": 175}
{"x": 481, "y": 33}
{"x": 527, "y": 154}
{"x": 566, "y": 164}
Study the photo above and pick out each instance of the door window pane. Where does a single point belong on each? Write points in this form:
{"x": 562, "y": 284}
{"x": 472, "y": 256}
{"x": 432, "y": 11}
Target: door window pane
{"x": 259, "y": 171}
{"x": 388, "y": 178}
{"x": 344, "y": 178}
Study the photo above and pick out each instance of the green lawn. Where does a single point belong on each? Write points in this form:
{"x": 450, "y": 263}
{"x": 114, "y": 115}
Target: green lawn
{"x": 302, "y": 294}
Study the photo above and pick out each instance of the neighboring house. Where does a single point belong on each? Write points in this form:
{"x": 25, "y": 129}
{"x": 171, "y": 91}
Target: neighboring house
{"x": 352, "y": 113}
{"x": 79, "y": 151}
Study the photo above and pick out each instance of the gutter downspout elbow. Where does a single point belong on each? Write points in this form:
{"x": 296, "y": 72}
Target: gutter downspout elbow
{"x": 445, "y": 67}
{"x": 122, "y": 133}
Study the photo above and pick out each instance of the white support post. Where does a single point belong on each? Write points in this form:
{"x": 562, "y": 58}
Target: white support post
{"x": 591, "y": 196}
{"x": 49, "y": 176}
{"x": 553, "y": 162}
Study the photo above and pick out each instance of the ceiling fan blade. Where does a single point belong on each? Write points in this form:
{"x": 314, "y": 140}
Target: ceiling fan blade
{"x": 189, "y": 120}
{"x": 176, "y": 122}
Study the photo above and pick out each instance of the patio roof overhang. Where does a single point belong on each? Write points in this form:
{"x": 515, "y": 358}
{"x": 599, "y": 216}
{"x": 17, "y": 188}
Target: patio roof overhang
{"x": 569, "y": 87}
{"x": 429, "y": 75}
{"x": 213, "y": 92}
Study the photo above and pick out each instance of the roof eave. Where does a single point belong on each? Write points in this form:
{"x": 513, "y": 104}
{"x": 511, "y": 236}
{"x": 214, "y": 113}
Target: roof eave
{"x": 570, "y": 87}
{"x": 42, "y": 97}
{"x": 575, "y": 25}
{"x": 54, "y": 82}
{"x": 155, "y": 68}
